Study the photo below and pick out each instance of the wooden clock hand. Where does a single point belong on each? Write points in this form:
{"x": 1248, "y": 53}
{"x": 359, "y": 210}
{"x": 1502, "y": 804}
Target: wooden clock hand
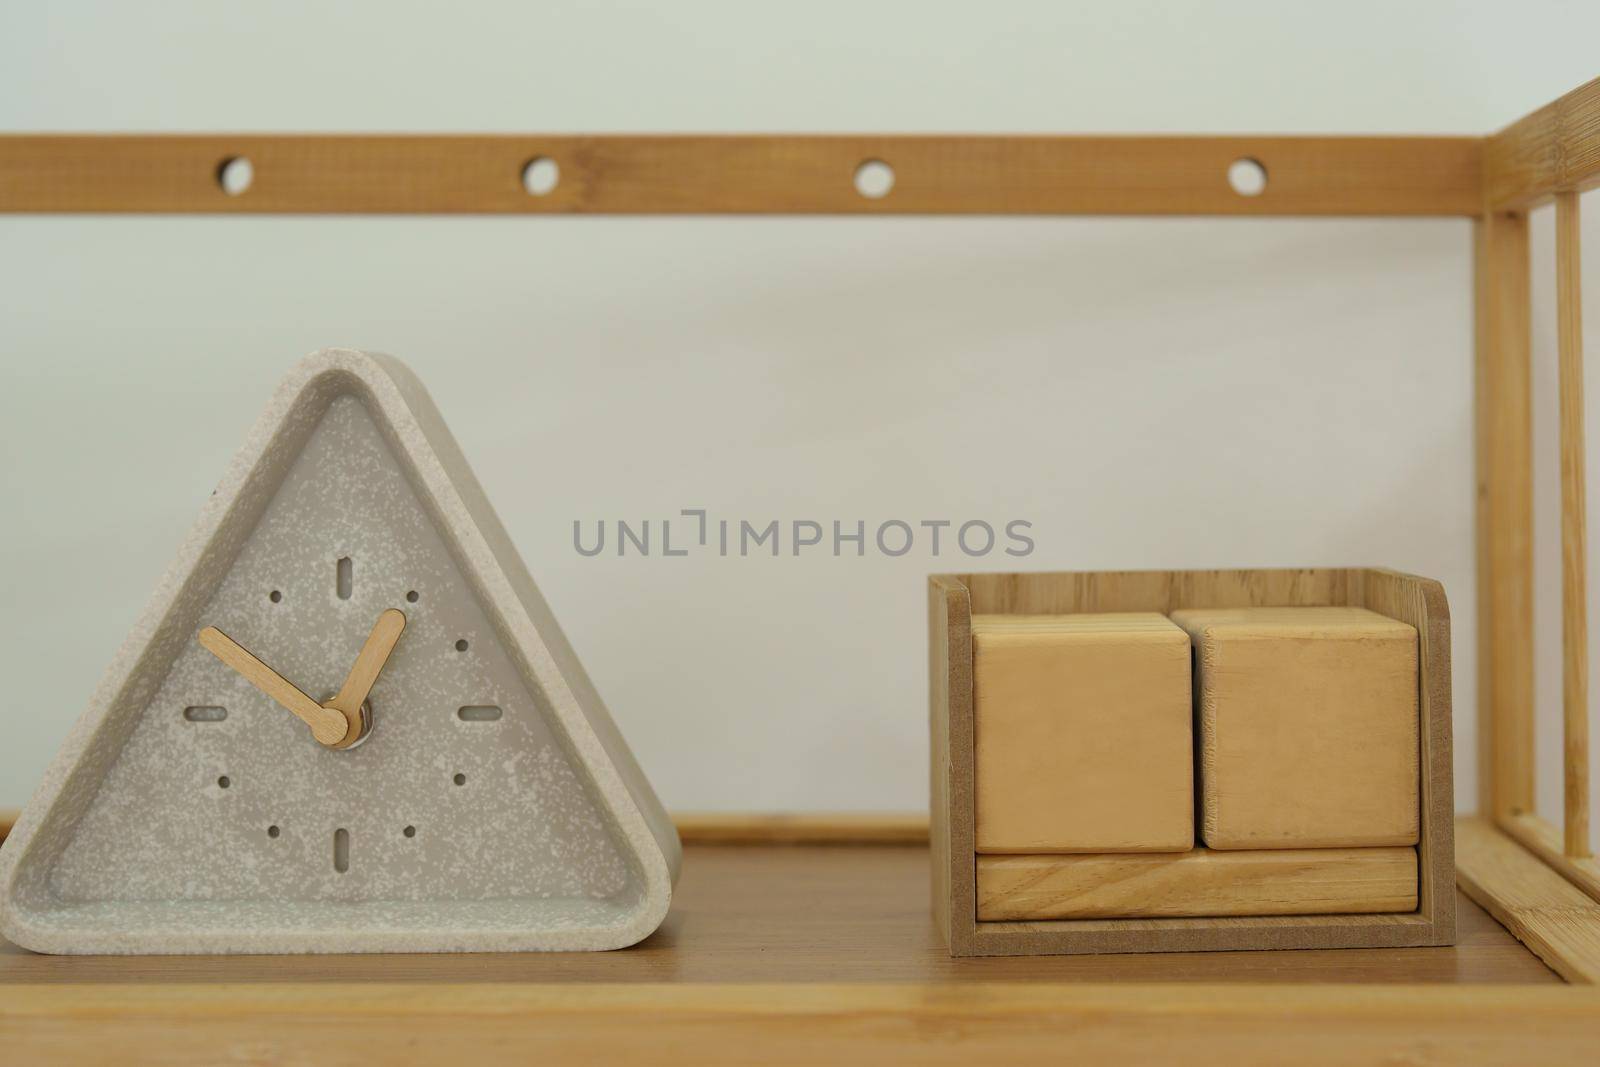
{"x": 328, "y": 726}
{"x": 369, "y": 662}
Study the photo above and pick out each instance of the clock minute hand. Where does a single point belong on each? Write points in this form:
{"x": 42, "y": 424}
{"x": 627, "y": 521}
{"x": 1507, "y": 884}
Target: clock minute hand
{"x": 369, "y": 663}
{"x": 328, "y": 727}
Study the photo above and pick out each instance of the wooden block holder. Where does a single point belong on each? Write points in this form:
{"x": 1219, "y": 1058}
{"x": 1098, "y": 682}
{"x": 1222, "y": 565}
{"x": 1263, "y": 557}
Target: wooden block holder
{"x": 952, "y": 601}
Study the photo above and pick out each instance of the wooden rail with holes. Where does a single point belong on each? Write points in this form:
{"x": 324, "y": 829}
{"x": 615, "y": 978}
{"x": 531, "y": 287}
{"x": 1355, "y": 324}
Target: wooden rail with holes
{"x": 786, "y": 175}
{"x": 1552, "y": 154}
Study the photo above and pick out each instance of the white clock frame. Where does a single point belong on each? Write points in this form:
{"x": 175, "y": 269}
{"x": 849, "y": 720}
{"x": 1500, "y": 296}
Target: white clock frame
{"x": 186, "y": 813}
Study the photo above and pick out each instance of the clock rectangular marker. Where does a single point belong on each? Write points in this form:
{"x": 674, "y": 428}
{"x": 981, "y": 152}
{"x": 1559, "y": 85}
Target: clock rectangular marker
{"x": 205, "y": 713}
{"x": 343, "y": 578}
{"x": 341, "y": 850}
{"x": 478, "y": 713}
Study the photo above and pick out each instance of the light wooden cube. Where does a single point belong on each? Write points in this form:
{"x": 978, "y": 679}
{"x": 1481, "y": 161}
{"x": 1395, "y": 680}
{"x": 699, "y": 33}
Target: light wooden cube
{"x": 1308, "y": 725}
{"x": 1082, "y": 733}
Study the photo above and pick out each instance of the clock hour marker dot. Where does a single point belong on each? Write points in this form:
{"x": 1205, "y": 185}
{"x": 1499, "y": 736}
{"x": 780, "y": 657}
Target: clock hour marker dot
{"x": 413, "y": 596}
{"x": 273, "y": 832}
{"x": 275, "y": 596}
{"x": 459, "y": 779}
{"x": 224, "y": 782}
{"x": 410, "y": 831}
{"x": 461, "y": 644}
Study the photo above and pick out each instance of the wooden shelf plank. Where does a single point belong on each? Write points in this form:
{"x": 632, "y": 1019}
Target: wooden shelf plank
{"x": 832, "y": 1023}
{"x": 810, "y": 914}
{"x": 795, "y": 954}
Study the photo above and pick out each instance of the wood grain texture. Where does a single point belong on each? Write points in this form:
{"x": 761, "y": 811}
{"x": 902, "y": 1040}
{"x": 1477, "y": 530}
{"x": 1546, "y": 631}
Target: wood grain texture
{"x": 774, "y": 828}
{"x": 1504, "y": 446}
{"x": 329, "y": 726}
{"x": 803, "y": 828}
{"x": 1417, "y": 601}
{"x": 741, "y": 174}
{"x": 1201, "y": 882}
{"x": 1574, "y": 565}
{"x": 1545, "y": 841}
{"x": 1554, "y": 148}
{"x": 1238, "y": 1026}
{"x": 808, "y": 914}
{"x": 952, "y": 798}
{"x": 765, "y": 828}
{"x": 1550, "y": 915}
{"x": 1308, "y": 726}
{"x": 375, "y": 652}
{"x": 1421, "y": 602}
{"x": 1081, "y": 733}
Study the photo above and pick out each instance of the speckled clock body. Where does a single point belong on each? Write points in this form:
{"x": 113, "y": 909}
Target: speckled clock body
{"x": 178, "y": 827}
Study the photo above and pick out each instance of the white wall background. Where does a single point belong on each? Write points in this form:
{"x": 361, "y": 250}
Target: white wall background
{"x": 1149, "y": 393}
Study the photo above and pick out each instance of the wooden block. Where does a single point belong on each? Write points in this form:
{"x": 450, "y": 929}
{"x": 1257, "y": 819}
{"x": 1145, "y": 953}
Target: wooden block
{"x": 1199, "y": 883}
{"x": 1082, "y": 733}
{"x": 1308, "y": 725}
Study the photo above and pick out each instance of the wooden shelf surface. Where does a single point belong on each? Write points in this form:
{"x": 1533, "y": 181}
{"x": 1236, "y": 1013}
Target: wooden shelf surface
{"x": 814, "y": 914}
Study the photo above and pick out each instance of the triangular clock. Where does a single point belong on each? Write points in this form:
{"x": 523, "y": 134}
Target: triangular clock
{"x": 423, "y": 767}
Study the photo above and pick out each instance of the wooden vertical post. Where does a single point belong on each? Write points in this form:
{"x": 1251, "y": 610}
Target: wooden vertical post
{"x": 1574, "y": 570}
{"x": 1505, "y": 516}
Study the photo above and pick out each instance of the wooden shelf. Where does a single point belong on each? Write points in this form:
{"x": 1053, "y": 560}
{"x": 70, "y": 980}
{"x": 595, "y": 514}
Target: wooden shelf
{"x": 815, "y": 913}
{"x": 807, "y": 953}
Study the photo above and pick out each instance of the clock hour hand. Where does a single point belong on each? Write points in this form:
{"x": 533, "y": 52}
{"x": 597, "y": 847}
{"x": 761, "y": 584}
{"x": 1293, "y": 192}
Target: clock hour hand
{"x": 369, "y": 662}
{"x": 327, "y": 726}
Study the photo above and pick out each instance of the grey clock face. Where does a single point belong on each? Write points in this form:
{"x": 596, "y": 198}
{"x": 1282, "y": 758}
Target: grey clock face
{"x": 462, "y": 797}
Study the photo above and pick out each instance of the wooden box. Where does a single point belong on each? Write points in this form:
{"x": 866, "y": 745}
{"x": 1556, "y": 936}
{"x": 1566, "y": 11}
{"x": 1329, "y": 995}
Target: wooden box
{"x": 954, "y": 599}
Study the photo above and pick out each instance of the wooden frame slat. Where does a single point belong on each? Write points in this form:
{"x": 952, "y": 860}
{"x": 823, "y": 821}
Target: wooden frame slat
{"x": 1574, "y": 568}
{"x": 741, "y": 174}
{"x": 1555, "y": 148}
{"x": 802, "y": 828}
{"x": 1505, "y": 515}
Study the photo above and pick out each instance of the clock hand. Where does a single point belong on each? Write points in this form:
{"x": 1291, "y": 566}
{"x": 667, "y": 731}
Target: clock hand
{"x": 369, "y": 662}
{"x": 327, "y": 726}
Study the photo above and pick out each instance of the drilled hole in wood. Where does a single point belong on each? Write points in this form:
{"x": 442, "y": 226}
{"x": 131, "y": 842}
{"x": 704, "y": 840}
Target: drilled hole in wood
{"x": 341, "y": 850}
{"x": 343, "y": 578}
{"x": 235, "y": 175}
{"x": 874, "y": 179}
{"x": 478, "y": 713}
{"x": 1247, "y": 177}
{"x": 205, "y": 713}
{"x": 540, "y": 176}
